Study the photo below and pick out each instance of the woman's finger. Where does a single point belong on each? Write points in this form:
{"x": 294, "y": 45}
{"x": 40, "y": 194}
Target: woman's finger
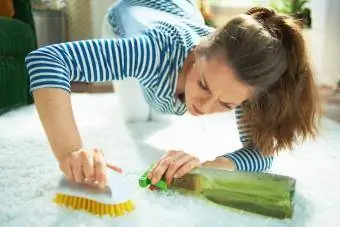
{"x": 160, "y": 161}
{"x": 87, "y": 164}
{"x": 166, "y": 156}
{"x": 175, "y": 166}
{"x": 173, "y": 152}
{"x": 159, "y": 170}
{"x": 76, "y": 166}
{"x": 163, "y": 165}
{"x": 187, "y": 167}
{"x": 99, "y": 168}
{"x": 115, "y": 168}
{"x": 155, "y": 166}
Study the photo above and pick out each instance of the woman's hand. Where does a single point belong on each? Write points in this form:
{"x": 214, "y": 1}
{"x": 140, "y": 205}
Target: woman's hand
{"x": 86, "y": 166}
{"x": 174, "y": 164}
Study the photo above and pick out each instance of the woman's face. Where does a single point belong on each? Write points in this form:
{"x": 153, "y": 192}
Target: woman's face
{"x": 212, "y": 87}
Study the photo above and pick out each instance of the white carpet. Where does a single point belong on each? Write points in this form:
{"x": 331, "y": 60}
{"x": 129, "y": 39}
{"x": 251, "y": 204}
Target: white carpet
{"x": 29, "y": 172}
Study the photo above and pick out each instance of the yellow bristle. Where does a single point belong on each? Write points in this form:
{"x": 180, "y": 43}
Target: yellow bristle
{"x": 129, "y": 206}
{"x": 106, "y": 209}
{"x": 118, "y": 210}
{"x": 61, "y": 199}
{"x": 126, "y": 206}
{"x": 70, "y": 201}
{"x": 93, "y": 207}
{"x": 83, "y": 204}
{"x": 112, "y": 211}
{"x": 97, "y": 208}
{"x": 80, "y": 203}
{"x": 74, "y": 203}
{"x": 122, "y": 207}
{"x": 102, "y": 209}
{"x": 89, "y": 206}
{"x": 67, "y": 200}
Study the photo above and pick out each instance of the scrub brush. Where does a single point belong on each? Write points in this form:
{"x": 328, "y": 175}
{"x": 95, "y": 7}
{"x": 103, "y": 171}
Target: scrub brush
{"x": 113, "y": 201}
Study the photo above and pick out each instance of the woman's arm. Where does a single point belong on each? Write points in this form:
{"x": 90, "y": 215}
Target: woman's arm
{"x": 220, "y": 163}
{"x": 248, "y": 158}
{"x": 244, "y": 159}
{"x": 94, "y": 61}
{"x": 52, "y": 68}
{"x": 55, "y": 112}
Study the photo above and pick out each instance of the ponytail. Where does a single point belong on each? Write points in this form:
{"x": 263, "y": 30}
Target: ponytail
{"x": 267, "y": 52}
{"x": 287, "y": 110}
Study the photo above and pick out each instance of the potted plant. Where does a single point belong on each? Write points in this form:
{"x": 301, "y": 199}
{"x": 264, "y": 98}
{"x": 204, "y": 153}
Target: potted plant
{"x": 206, "y": 12}
{"x": 295, "y": 8}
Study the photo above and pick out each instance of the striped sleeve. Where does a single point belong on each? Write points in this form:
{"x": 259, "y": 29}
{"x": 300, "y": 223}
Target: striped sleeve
{"x": 55, "y": 66}
{"x": 249, "y": 157}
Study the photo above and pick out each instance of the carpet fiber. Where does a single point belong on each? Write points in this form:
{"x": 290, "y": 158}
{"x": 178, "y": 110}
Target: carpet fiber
{"x": 29, "y": 172}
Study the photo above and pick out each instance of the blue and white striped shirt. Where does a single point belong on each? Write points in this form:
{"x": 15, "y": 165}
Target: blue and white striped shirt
{"x": 154, "y": 58}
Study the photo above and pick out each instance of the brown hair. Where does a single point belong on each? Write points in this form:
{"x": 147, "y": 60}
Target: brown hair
{"x": 267, "y": 51}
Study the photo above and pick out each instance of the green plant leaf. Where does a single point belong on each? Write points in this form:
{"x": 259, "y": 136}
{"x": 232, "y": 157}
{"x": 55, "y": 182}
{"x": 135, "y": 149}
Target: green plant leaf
{"x": 300, "y": 4}
{"x": 282, "y": 6}
{"x": 275, "y": 7}
{"x": 288, "y": 6}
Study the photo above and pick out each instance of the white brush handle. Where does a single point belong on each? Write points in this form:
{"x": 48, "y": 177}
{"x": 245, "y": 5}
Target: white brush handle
{"x": 118, "y": 190}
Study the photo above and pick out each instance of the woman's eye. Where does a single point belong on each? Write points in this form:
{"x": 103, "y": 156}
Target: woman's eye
{"x": 202, "y": 85}
{"x": 227, "y": 106}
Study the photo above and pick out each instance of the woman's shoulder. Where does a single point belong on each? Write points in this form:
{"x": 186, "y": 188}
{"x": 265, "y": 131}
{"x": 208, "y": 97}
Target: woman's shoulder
{"x": 180, "y": 33}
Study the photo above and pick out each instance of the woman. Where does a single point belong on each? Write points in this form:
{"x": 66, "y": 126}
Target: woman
{"x": 255, "y": 64}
